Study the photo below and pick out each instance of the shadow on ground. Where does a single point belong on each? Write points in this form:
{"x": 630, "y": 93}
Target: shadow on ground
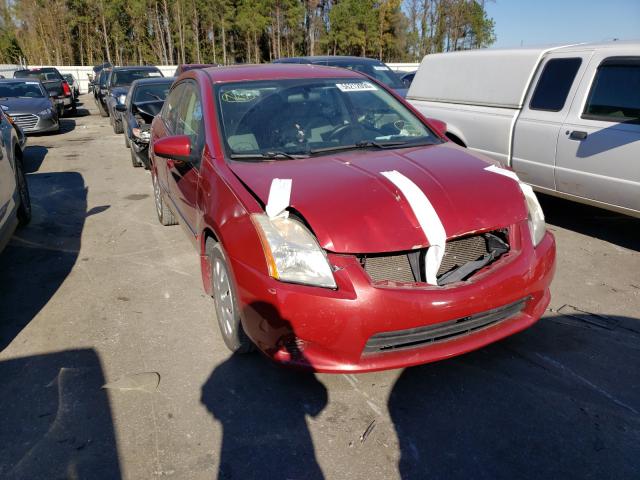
{"x": 561, "y": 400}
{"x": 42, "y": 254}
{"x": 33, "y": 157}
{"x": 621, "y": 230}
{"x": 263, "y": 408}
{"x": 56, "y": 419}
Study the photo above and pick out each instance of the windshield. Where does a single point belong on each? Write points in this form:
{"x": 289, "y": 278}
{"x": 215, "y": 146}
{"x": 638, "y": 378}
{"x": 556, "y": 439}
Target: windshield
{"x": 124, "y": 78}
{"x": 274, "y": 119}
{"x": 153, "y": 92}
{"x": 21, "y": 89}
{"x": 379, "y": 71}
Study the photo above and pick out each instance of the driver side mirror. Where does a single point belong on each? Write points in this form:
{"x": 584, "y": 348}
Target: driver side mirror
{"x": 176, "y": 147}
{"x": 121, "y": 108}
{"x": 439, "y": 126}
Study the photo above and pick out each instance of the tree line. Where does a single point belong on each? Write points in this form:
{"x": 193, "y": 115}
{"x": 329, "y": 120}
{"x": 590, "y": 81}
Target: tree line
{"x": 87, "y": 32}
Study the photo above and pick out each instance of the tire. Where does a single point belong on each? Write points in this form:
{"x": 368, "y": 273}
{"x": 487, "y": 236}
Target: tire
{"x": 225, "y": 301}
{"x": 134, "y": 159}
{"x": 102, "y": 110}
{"x": 117, "y": 126}
{"x": 165, "y": 215}
{"x": 74, "y": 109}
{"x": 24, "y": 209}
{"x": 127, "y": 144}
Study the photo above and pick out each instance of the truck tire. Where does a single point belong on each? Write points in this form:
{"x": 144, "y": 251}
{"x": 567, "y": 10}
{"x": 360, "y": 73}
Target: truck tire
{"x": 225, "y": 301}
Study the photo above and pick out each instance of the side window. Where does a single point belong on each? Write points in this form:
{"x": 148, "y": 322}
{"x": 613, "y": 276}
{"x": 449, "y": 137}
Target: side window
{"x": 554, "y": 84}
{"x": 189, "y": 121}
{"x": 615, "y": 92}
{"x": 171, "y": 107}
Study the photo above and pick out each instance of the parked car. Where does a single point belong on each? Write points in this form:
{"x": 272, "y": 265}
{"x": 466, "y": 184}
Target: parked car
{"x": 118, "y": 85}
{"x": 55, "y": 84}
{"x": 185, "y": 67}
{"x": 93, "y": 78}
{"x": 15, "y": 204}
{"x": 566, "y": 119}
{"x": 338, "y": 231}
{"x": 73, "y": 83}
{"x": 29, "y": 105}
{"x": 407, "y": 77}
{"x": 370, "y": 66}
{"x": 144, "y": 101}
{"x": 100, "y": 92}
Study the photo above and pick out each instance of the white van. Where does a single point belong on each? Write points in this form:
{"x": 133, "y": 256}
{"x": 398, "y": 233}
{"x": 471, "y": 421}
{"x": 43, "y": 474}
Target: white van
{"x": 566, "y": 119}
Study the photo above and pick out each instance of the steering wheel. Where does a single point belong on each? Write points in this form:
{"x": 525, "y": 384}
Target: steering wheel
{"x": 342, "y": 131}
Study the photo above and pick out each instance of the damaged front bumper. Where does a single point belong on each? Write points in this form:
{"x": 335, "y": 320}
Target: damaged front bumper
{"x": 365, "y": 326}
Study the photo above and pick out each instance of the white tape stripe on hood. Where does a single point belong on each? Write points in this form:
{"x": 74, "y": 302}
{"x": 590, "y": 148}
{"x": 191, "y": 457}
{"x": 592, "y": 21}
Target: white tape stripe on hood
{"x": 279, "y": 196}
{"x": 427, "y": 218}
{"x": 527, "y": 190}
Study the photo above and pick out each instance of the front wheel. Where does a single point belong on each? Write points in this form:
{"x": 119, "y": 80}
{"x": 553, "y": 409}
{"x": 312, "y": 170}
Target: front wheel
{"x": 225, "y": 301}
{"x": 24, "y": 209}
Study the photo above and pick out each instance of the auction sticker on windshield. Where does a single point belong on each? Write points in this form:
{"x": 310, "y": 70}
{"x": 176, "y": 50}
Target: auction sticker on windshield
{"x": 355, "y": 87}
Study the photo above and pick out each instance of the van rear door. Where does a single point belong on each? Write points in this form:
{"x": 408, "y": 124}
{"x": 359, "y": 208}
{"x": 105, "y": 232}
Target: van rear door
{"x": 537, "y": 128}
{"x": 598, "y": 156}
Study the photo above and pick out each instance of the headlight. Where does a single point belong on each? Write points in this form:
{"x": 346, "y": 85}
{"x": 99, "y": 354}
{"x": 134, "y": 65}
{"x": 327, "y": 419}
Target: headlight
{"x": 292, "y": 253}
{"x": 46, "y": 111}
{"x": 536, "y": 216}
{"x": 121, "y": 99}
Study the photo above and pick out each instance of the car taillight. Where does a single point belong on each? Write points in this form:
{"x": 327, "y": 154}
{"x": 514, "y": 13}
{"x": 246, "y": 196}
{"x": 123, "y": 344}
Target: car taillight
{"x": 66, "y": 89}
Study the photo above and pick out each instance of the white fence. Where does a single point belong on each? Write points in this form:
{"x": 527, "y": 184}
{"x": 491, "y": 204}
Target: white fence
{"x": 83, "y": 74}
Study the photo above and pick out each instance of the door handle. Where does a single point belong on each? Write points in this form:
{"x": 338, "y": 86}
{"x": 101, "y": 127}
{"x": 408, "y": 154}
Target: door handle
{"x": 577, "y": 135}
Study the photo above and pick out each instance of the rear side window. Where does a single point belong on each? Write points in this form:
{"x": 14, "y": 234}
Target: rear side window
{"x": 554, "y": 84}
{"x": 615, "y": 92}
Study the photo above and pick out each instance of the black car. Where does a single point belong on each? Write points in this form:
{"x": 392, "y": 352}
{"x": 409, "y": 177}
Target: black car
{"x": 118, "y": 85}
{"x": 100, "y": 91}
{"x": 96, "y": 73}
{"x": 144, "y": 101}
{"x": 29, "y": 105}
{"x": 55, "y": 84}
{"x": 372, "y": 67}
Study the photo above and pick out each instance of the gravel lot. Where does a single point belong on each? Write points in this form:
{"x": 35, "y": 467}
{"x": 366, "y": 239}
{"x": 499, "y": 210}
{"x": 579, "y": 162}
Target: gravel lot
{"x": 95, "y": 291}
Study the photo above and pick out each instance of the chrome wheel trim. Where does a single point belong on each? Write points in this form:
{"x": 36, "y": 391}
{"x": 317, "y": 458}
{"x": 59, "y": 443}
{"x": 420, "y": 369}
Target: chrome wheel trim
{"x": 223, "y": 296}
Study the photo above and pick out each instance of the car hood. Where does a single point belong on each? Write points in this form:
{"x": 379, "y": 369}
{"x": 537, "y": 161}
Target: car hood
{"x": 25, "y": 105}
{"x": 352, "y": 208}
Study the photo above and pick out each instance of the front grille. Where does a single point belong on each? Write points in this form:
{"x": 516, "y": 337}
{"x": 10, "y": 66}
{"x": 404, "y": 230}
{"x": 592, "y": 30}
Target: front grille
{"x": 25, "y": 121}
{"x": 418, "y": 337}
{"x": 408, "y": 267}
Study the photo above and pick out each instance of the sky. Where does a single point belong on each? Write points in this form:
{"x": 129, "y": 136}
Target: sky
{"x": 543, "y": 22}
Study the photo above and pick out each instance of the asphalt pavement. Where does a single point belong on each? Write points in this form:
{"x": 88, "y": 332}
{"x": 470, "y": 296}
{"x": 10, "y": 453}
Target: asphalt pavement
{"x": 111, "y": 364}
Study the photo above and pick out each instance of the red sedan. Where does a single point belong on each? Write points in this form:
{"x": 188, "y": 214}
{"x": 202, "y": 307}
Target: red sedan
{"x": 338, "y": 230}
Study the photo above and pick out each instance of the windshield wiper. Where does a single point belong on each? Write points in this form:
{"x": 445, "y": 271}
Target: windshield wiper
{"x": 267, "y": 156}
{"x": 371, "y": 143}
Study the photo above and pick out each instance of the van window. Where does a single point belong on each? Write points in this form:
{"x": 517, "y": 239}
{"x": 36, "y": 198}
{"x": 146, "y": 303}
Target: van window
{"x": 615, "y": 93}
{"x": 554, "y": 84}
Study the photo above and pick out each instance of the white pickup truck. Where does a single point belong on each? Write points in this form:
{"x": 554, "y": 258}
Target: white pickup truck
{"x": 566, "y": 119}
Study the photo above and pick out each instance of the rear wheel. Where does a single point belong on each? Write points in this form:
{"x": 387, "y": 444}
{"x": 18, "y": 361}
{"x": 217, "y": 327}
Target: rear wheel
{"x": 117, "y": 126}
{"x": 126, "y": 141}
{"x": 225, "y": 301}
{"x": 165, "y": 215}
{"x": 24, "y": 209}
{"x": 102, "y": 109}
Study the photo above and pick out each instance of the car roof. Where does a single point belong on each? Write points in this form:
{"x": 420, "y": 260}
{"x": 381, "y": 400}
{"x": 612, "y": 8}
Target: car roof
{"x": 275, "y": 71}
{"x": 133, "y": 67}
{"x": 331, "y": 58}
{"x": 151, "y": 80}
{"x": 38, "y": 69}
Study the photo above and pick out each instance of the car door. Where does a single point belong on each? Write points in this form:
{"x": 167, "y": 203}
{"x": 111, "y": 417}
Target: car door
{"x": 183, "y": 177}
{"x": 538, "y": 126}
{"x": 167, "y": 127}
{"x": 7, "y": 177}
{"x": 598, "y": 156}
